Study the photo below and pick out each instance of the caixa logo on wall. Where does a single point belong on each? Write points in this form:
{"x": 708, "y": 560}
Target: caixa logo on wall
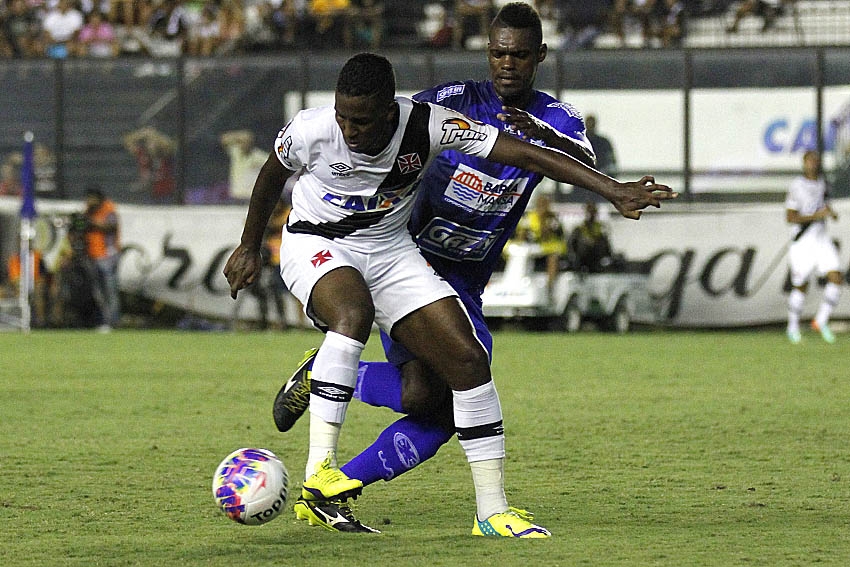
{"x": 785, "y": 136}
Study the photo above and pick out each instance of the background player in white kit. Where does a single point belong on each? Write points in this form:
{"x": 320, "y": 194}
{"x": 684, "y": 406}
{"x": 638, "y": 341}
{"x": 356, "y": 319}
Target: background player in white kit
{"x": 347, "y": 256}
{"x": 812, "y": 250}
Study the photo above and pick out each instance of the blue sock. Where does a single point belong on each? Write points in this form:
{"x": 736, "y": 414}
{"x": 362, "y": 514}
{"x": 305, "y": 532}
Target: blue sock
{"x": 379, "y": 384}
{"x": 400, "y": 447}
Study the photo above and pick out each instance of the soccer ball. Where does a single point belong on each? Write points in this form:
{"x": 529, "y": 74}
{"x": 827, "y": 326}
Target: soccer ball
{"x": 250, "y": 486}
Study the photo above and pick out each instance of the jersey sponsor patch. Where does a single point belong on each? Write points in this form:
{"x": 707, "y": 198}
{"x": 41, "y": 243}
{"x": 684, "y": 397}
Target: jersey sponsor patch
{"x": 455, "y": 129}
{"x": 451, "y": 90}
{"x": 360, "y": 203}
{"x": 450, "y": 240}
{"x": 476, "y": 191}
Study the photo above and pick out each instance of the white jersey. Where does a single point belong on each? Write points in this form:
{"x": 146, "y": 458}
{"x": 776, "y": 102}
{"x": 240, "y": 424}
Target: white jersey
{"x": 367, "y": 200}
{"x": 807, "y": 196}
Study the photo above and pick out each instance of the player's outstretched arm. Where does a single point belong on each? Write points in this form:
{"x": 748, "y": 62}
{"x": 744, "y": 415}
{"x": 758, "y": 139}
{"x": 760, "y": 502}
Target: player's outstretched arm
{"x": 530, "y": 127}
{"x": 628, "y": 198}
{"x": 244, "y": 264}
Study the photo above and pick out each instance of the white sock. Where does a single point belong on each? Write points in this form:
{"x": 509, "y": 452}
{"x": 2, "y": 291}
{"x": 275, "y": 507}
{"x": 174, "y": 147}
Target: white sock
{"x": 489, "y": 480}
{"x": 333, "y": 378}
{"x": 795, "y": 307}
{"x": 478, "y": 420}
{"x": 831, "y": 293}
{"x": 323, "y": 439}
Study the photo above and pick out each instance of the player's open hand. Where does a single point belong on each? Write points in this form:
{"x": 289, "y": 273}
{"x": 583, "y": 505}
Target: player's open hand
{"x": 522, "y": 123}
{"x": 631, "y": 197}
{"x": 242, "y": 268}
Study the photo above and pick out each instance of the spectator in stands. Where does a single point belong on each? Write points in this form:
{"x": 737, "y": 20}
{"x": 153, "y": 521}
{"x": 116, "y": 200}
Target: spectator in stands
{"x": 10, "y": 175}
{"x": 367, "y": 24}
{"x": 471, "y": 17}
{"x": 673, "y": 24}
{"x": 61, "y": 25}
{"x": 97, "y": 38}
{"x": 768, "y": 10}
{"x": 542, "y": 226}
{"x": 329, "y": 20}
{"x": 435, "y": 29}
{"x": 103, "y": 245}
{"x": 205, "y": 32}
{"x": 168, "y": 29}
{"x": 130, "y": 13}
{"x": 606, "y": 159}
{"x": 20, "y": 35}
{"x": 646, "y": 12}
{"x": 154, "y": 153}
{"x": 589, "y": 249}
{"x": 44, "y": 161}
{"x": 231, "y": 24}
{"x": 271, "y": 25}
{"x": 584, "y": 21}
{"x": 246, "y": 159}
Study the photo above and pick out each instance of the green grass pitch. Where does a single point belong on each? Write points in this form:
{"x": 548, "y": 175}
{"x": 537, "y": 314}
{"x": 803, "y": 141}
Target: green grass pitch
{"x": 653, "y": 448}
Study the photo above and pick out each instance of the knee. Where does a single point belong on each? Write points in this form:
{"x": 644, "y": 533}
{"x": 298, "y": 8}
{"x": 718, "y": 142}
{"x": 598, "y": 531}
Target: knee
{"x": 470, "y": 366}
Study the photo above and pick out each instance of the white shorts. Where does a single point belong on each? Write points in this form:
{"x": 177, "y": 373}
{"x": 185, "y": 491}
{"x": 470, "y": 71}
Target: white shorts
{"x": 812, "y": 253}
{"x": 399, "y": 279}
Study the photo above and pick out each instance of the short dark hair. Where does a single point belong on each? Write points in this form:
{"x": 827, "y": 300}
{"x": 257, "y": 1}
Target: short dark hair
{"x": 93, "y": 190}
{"x": 519, "y": 15}
{"x": 367, "y": 74}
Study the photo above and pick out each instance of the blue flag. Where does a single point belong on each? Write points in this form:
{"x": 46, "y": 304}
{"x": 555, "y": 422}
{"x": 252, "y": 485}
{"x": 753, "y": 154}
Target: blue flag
{"x": 28, "y": 180}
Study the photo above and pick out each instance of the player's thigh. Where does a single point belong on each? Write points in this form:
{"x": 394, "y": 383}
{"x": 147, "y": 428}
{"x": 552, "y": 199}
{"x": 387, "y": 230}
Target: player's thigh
{"x": 399, "y": 355}
{"x": 827, "y": 257}
{"x": 401, "y": 282}
{"x": 802, "y": 257}
{"x": 441, "y": 336}
{"x": 341, "y": 299}
{"x": 327, "y": 278}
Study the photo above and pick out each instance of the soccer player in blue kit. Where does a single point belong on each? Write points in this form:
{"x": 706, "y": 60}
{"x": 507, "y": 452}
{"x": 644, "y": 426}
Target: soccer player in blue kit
{"x": 465, "y": 211}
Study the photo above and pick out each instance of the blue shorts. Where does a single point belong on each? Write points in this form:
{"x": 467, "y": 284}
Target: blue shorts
{"x": 397, "y": 354}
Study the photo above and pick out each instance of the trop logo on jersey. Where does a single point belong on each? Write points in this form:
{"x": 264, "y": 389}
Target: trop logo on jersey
{"x": 448, "y": 239}
{"x": 475, "y": 191}
{"x": 455, "y": 129}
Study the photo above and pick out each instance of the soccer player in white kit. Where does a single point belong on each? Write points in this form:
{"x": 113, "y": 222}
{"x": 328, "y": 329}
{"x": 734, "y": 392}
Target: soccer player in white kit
{"x": 347, "y": 256}
{"x": 812, "y": 250}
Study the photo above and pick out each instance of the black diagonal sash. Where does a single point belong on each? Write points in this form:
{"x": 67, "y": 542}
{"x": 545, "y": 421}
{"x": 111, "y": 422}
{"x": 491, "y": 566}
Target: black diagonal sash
{"x": 411, "y": 157}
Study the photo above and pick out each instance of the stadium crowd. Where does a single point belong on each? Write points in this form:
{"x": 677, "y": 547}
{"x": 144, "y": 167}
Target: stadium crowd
{"x": 111, "y": 28}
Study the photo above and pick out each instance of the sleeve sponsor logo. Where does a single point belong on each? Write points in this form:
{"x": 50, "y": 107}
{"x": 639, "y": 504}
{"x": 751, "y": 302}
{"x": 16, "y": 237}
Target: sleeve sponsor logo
{"x": 447, "y": 239}
{"x": 283, "y": 150}
{"x": 452, "y": 90}
{"x": 459, "y": 129}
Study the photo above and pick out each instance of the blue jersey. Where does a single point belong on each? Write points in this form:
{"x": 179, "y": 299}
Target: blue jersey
{"x": 466, "y": 207}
